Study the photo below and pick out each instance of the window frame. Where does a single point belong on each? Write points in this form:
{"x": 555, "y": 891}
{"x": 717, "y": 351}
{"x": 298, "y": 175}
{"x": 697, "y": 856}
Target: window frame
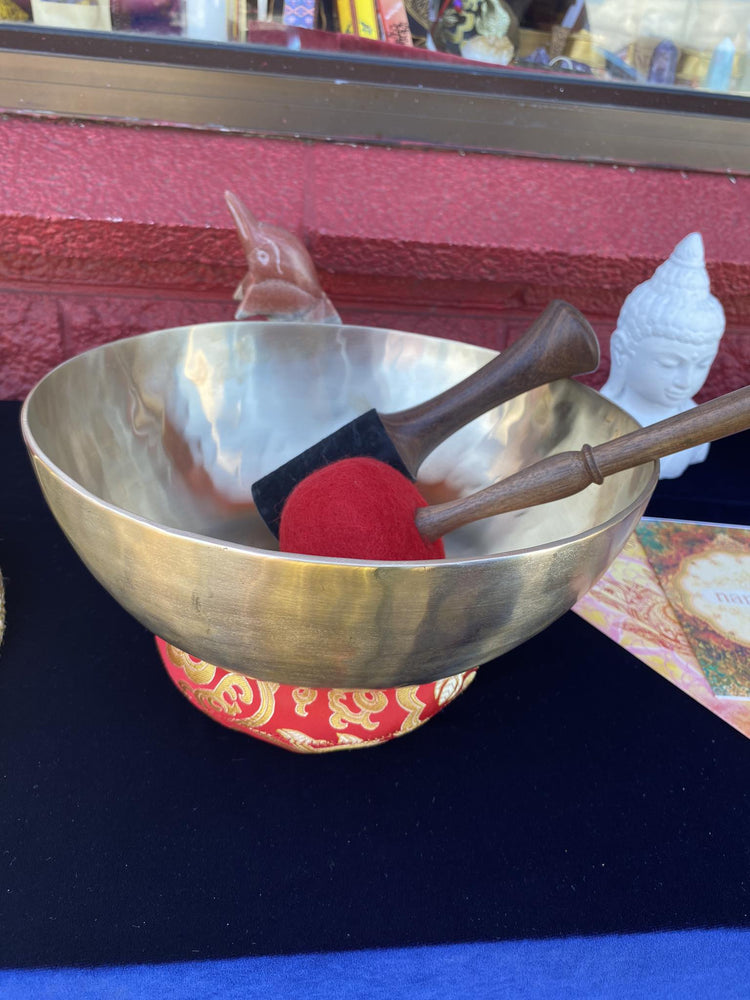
{"x": 325, "y": 96}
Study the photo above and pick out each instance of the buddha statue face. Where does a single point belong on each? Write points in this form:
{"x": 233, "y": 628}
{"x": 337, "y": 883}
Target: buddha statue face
{"x": 663, "y": 371}
{"x": 672, "y": 372}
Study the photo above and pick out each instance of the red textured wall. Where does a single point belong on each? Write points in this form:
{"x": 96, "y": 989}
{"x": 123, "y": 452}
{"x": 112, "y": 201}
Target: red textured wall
{"x": 108, "y": 231}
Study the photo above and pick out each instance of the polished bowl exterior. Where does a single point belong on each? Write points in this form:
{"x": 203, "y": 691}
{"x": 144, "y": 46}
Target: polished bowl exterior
{"x": 146, "y": 450}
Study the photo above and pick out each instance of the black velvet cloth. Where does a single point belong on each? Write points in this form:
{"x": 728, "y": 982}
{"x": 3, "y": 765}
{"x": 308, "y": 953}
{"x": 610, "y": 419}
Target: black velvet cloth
{"x": 569, "y": 791}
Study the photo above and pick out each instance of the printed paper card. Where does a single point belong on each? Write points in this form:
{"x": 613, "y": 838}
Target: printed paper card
{"x": 677, "y": 598}
{"x": 704, "y": 570}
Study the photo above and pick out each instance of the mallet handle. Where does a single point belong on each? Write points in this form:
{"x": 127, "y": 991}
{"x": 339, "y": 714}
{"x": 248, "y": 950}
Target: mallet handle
{"x": 559, "y": 344}
{"x": 571, "y": 471}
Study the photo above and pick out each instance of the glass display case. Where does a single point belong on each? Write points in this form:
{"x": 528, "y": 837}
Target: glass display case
{"x": 684, "y": 43}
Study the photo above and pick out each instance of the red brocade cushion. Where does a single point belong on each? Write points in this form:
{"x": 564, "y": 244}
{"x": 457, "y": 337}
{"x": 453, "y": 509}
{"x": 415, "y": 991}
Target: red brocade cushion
{"x": 307, "y": 720}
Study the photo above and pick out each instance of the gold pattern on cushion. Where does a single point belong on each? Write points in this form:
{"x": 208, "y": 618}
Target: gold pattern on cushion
{"x": 302, "y": 698}
{"x": 231, "y": 690}
{"x": 197, "y": 671}
{"x": 366, "y": 704}
{"x": 407, "y": 699}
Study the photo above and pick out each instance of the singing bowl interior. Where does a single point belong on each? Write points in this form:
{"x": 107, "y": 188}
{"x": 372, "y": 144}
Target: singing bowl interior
{"x": 146, "y": 450}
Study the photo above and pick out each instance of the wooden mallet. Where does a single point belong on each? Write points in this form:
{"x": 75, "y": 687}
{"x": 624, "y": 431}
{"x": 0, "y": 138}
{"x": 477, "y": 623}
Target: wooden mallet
{"x": 361, "y": 509}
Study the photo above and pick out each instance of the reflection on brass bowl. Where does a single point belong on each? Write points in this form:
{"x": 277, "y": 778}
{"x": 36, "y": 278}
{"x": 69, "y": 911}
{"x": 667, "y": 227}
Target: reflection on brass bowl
{"x": 146, "y": 450}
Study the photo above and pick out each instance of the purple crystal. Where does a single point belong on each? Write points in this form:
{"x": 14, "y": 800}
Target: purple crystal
{"x": 539, "y": 57}
{"x": 663, "y": 67}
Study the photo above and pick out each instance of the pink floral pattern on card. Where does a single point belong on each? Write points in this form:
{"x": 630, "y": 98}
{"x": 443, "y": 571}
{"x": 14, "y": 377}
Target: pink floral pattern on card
{"x": 630, "y": 606}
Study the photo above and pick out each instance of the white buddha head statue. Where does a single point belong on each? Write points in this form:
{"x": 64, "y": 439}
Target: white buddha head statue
{"x": 666, "y": 340}
{"x": 667, "y": 333}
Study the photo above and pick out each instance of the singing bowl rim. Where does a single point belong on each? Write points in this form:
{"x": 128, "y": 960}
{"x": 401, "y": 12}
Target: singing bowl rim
{"x": 39, "y": 455}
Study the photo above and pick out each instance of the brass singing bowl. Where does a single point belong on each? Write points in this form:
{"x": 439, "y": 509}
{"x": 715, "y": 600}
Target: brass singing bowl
{"x": 146, "y": 450}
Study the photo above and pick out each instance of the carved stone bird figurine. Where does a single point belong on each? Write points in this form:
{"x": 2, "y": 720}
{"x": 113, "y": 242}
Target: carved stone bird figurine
{"x": 281, "y": 282}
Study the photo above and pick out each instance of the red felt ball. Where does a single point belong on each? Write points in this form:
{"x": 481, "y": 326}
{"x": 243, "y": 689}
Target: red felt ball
{"x": 357, "y": 508}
